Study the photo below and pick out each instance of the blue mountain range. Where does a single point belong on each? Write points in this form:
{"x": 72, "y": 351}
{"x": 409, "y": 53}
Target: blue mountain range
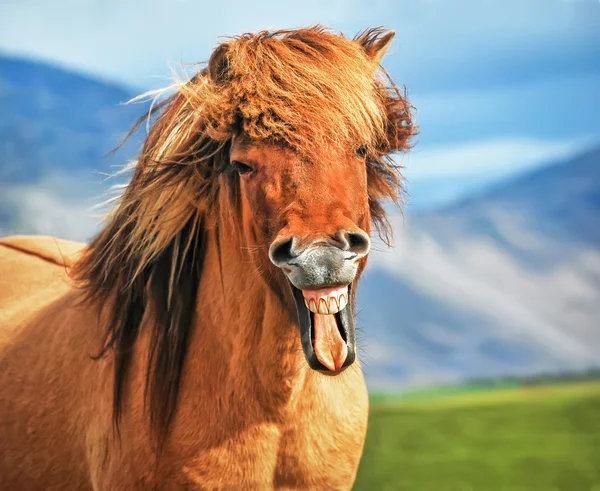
{"x": 506, "y": 281}
{"x": 53, "y": 120}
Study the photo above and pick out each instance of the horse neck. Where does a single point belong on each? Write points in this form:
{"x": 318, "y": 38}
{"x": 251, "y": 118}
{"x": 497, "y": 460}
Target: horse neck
{"x": 244, "y": 331}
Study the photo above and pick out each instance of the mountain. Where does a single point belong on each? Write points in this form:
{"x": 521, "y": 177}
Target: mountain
{"x": 504, "y": 282}
{"x": 57, "y": 129}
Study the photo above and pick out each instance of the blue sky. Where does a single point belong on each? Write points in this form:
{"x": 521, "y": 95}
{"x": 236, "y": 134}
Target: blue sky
{"x": 499, "y": 86}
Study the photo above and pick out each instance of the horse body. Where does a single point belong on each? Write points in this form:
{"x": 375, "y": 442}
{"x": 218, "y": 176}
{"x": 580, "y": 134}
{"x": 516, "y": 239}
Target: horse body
{"x": 241, "y": 423}
{"x": 205, "y": 338}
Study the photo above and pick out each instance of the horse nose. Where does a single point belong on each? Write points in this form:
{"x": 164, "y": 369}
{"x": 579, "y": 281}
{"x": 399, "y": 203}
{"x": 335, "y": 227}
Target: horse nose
{"x": 325, "y": 261}
{"x": 283, "y": 251}
{"x": 356, "y": 241}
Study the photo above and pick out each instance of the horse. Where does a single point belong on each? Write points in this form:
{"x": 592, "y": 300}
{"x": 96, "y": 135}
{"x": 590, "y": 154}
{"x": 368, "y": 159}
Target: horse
{"x": 205, "y": 337}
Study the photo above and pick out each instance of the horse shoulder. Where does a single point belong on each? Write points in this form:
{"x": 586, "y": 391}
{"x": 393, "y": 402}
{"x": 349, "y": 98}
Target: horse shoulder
{"x": 45, "y": 367}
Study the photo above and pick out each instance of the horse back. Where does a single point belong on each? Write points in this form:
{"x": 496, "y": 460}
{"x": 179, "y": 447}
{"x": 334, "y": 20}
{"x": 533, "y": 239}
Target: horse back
{"x": 33, "y": 273}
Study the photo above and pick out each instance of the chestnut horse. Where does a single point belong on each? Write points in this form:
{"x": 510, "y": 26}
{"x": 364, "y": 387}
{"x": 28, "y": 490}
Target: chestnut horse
{"x": 205, "y": 338}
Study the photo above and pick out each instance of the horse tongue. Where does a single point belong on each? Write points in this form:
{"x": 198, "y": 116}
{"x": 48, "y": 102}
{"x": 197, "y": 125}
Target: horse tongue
{"x": 330, "y": 348}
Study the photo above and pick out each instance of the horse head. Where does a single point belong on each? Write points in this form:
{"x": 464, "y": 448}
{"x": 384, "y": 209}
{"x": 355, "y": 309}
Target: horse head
{"x": 309, "y": 194}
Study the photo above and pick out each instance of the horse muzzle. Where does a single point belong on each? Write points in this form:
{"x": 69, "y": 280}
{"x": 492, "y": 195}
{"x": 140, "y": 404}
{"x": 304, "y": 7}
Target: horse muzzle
{"x": 320, "y": 266}
{"x": 322, "y": 275}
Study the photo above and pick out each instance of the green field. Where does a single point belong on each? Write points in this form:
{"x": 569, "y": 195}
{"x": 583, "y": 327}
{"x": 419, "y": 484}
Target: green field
{"x": 520, "y": 439}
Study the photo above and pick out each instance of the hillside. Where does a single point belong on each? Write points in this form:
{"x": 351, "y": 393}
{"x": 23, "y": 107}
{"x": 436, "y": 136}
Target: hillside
{"x": 505, "y": 282}
{"x": 56, "y": 131}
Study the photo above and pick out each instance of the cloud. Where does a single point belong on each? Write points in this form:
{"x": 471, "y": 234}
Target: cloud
{"x": 58, "y": 205}
{"x": 133, "y": 41}
{"x": 554, "y": 307}
{"x": 493, "y": 158}
{"x": 560, "y": 106}
{"x": 440, "y": 43}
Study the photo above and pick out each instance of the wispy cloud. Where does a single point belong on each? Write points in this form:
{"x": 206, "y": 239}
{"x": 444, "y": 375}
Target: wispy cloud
{"x": 492, "y": 158}
{"x": 59, "y": 205}
{"x": 478, "y": 276}
{"x": 134, "y": 41}
{"x": 558, "y": 106}
{"x": 440, "y": 44}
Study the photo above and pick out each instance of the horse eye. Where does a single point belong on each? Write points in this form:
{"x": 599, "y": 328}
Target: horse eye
{"x": 241, "y": 168}
{"x": 362, "y": 151}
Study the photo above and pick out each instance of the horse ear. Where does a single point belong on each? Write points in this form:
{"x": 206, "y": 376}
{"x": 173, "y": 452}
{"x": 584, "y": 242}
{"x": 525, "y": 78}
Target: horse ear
{"x": 218, "y": 64}
{"x": 375, "y": 44}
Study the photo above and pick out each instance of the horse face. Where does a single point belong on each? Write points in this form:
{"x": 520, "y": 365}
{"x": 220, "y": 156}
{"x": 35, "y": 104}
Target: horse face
{"x": 313, "y": 214}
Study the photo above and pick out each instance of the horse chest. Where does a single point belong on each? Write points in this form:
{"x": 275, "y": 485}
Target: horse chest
{"x": 321, "y": 448}
{"x": 318, "y": 445}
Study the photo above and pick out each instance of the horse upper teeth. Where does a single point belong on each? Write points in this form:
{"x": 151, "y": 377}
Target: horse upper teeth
{"x": 333, "y": 305}
{"x": 326, "y": 301}
{"x": 323, "y": 309}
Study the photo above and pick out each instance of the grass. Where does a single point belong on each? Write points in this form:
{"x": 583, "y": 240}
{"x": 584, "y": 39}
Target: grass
{"x": 517, "y": 439}
{"x": 430, "y": 393}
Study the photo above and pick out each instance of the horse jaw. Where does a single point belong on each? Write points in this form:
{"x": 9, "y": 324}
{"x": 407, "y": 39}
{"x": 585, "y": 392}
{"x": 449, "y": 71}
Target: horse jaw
{"x": 328, "y": 341}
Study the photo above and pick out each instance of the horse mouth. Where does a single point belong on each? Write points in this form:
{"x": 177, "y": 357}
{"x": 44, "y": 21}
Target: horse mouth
{"x": 327, "y": 330}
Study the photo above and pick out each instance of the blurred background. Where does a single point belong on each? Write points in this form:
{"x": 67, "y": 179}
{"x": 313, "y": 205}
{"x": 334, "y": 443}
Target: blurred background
{"x": 480, "y": 330}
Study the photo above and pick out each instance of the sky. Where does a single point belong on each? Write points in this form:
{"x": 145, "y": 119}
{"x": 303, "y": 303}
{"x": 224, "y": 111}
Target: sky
{"x": 499, "y": 86}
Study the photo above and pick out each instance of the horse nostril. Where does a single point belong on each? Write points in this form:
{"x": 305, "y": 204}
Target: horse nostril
{"x": 358, "y": 241}
{"x": 281, "y": 252}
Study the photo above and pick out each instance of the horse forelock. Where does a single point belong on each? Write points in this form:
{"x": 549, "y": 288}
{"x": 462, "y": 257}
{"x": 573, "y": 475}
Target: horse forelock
{"x": 304, "y": 88}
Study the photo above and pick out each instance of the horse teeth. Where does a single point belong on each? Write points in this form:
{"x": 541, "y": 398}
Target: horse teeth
{"x": 323, "y": 307}
{"x": 328, "y": 301}
{"x": 333, "y": 305}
